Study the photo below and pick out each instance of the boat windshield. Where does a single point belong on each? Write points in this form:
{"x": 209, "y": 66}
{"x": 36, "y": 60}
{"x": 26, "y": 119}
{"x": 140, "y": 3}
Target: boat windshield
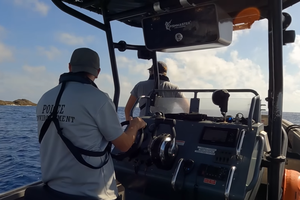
{"x": 237, "y": 103}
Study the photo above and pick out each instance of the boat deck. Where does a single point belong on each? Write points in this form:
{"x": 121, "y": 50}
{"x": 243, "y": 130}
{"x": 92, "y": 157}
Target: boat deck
{"x": 129, "y": 195}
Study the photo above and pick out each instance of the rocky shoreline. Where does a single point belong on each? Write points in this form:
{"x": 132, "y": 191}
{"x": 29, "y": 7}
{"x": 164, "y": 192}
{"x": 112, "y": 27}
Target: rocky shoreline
{"x": 18, "y": 102}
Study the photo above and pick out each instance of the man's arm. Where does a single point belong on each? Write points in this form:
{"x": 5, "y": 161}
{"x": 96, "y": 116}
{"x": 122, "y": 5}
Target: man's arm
{"x": 184, "y": 103}
{"x": 126, "y": 140}
{"x": 130, "y": 103}
{"x": 109, "y": 125}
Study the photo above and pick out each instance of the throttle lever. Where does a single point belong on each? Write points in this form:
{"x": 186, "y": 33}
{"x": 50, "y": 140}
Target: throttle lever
{"x": 163, "y": 120}
{"x": 187, "y": 166}
{"x": 175, "y": 174}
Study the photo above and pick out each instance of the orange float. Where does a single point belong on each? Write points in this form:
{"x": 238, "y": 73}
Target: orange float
{"x": 291, "y": 185}
{"x": 246, "y": 18}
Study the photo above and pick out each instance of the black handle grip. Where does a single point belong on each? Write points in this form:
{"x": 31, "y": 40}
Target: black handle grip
{"x": 163, "y": 120}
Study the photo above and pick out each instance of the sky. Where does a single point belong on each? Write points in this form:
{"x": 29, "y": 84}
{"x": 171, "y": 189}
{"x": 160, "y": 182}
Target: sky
{"x": 37, "y": 40}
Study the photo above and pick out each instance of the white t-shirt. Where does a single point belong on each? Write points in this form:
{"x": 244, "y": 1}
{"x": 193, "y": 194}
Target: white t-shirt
{"x": 89, "y": 120}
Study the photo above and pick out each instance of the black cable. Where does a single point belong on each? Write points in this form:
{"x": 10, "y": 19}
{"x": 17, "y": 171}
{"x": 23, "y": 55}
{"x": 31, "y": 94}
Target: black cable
{"x": 288, "y": 129}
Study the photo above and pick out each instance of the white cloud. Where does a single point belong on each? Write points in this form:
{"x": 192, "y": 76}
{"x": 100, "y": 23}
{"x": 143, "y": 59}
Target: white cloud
{"x": 123, "y": 61}
{"x": 260, "y": 25}
{"x": 34, "y": 70}
{"x": 134, "y": 66}
{"x": 2, "y": 31}
{"x": 105, "y": 83}
{"x": 205, "y": 70}
{"x": 291, "y": 81}
{"x": 200, "y": 70}
{"x": 294, "y": 56}
{"x": 51, "y": 53}
{"x": 6, "y": 53}
{"x": 35, "y": 5}
{"x": 70, "y": 39}
{"x": 237, "y": 34}
{"x": 30, "y": 83}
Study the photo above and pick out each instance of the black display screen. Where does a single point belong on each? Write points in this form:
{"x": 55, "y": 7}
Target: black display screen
{"x": 190, "y": 27}
{"x": 219, "y": 136}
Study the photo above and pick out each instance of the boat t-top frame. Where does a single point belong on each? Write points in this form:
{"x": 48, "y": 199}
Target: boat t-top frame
{"x": 131, "y": 12}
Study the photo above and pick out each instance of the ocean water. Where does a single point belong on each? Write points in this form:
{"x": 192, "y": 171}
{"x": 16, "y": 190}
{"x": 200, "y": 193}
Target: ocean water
{"x": 19, "y": 152}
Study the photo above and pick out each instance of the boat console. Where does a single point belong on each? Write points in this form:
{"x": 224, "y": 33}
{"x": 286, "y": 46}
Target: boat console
{"x": 196, "y": 156}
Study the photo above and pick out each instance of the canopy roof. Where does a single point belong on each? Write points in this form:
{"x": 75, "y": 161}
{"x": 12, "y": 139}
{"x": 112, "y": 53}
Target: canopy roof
{"x": 132, "y": 11}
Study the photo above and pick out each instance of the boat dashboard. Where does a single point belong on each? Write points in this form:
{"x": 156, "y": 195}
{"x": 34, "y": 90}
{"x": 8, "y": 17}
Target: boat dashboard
{"x": 195, "y": 156}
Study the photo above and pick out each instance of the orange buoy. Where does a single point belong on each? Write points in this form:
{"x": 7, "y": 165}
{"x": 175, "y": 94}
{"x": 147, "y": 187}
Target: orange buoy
{"x": 246, "y": 18}
{"x": 291, "y": 185}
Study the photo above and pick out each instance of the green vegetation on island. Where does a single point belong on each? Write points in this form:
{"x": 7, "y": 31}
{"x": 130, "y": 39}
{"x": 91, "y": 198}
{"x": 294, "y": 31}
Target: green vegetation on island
{"x": 18, "y": 102}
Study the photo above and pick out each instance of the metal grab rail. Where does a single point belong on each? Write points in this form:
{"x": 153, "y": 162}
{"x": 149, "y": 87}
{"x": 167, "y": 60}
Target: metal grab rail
{"x": 257, "y": 164}
{"x": 208, "y": 90}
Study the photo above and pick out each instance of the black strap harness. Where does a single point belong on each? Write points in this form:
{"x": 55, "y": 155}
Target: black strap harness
{"x": 76, "y": 151}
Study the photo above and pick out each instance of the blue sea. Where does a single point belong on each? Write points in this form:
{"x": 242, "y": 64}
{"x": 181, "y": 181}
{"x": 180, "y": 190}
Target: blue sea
{"x": 19, "y": 148}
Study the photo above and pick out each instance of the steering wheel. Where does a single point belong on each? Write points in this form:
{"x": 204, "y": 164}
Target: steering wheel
{"x": 135, "y": 146}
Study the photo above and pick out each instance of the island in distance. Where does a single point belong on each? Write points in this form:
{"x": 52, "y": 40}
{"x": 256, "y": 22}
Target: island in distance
{"x": 18, "y": 102}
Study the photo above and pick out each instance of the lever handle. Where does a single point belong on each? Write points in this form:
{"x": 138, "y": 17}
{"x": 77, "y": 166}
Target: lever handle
{"x": 240, "y": 144}
{"x": 257, "y": 164}
{"x": 175, "y": 174}
{"x": 229, "y": 182}
{"x": 163, "y": 120}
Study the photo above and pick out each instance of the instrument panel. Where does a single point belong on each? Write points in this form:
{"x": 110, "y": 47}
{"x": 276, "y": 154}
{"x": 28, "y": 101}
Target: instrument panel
{"x": 212, "y": 162}
{"x": 226, "y": 137}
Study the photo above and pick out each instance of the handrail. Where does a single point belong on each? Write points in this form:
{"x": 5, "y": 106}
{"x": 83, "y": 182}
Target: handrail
{"x": 136, "y": 102}
{"x": 79, "y": 15}
{"x": 206, "y": 90}
{"x": 260, "y": 148}
{"x": 252, "y": 110}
